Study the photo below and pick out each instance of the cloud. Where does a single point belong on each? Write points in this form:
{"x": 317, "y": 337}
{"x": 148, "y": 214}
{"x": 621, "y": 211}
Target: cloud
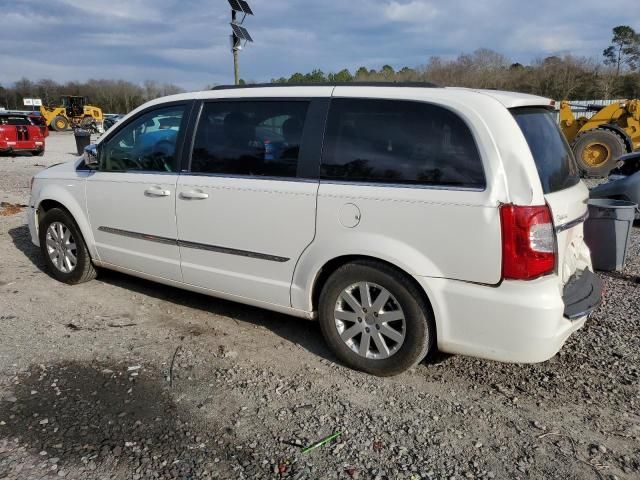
{"x": 414, "y": 11}
{"x": 186, "y": 42}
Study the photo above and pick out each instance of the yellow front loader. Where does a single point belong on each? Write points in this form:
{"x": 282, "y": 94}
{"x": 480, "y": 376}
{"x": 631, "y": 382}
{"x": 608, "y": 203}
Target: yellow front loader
{"x": 597, "y": 142}
{"x": 72, "y": 111}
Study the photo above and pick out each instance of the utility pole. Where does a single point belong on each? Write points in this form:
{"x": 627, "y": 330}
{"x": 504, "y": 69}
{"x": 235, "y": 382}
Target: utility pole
{"x": 235, "y": 41}
{"x": 239, "y": 33}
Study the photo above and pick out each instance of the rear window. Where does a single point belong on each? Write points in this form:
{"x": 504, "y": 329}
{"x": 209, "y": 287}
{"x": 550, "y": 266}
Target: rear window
{"x": 554, "y": 160}
{"x": 14, "y": 121}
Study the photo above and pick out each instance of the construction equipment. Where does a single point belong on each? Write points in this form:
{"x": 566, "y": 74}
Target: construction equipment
{"x": 73, "y": 111}
{"x": 599, "y": 141}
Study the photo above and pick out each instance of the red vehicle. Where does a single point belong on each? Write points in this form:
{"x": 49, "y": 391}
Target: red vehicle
{"x": 19, "y": 134}
{"x": 37, "y": 119}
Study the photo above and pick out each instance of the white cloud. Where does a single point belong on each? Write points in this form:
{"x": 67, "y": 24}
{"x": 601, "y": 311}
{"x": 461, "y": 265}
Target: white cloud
{"x": 414, "y": 12}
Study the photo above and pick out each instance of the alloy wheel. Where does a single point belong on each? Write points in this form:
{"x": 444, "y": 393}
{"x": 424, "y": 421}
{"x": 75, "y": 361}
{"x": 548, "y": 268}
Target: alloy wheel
{"x": 369, "y": 320}
{"x": 61, "y": 247}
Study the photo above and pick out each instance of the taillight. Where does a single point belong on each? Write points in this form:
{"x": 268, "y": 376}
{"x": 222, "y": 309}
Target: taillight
{"x": 528, "y": 242}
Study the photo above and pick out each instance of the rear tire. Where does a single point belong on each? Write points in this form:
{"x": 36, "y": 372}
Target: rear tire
{"x": 64, "y": 249}
{"x": 60, "y": 124}
{"x": 597, "y": 151}
{"x": 404, "y": 344}
{"x": 37, "y": 153}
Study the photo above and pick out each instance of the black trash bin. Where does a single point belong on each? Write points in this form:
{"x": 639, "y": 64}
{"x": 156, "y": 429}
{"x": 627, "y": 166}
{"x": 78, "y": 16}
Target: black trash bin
{"x": 83, "y": 139}
{"x": 607, "y": 232}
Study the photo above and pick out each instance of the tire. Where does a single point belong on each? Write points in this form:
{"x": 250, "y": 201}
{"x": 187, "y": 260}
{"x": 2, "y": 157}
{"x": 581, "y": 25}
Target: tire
{"x": 404, "y": 299}
{"x": 37, "y": 153}
{"x": 60, "y": 124}
{"x": 597, "y": 151}
{"x": 83, "y": 270}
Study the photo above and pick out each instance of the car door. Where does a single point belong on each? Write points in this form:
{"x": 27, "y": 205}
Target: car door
{"x": 131, "y": 197}
{"x": 246, "y": 209}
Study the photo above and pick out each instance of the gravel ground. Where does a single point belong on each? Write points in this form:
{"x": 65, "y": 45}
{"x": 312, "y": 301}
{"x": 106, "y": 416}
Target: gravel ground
{"x": 121, "y": 378}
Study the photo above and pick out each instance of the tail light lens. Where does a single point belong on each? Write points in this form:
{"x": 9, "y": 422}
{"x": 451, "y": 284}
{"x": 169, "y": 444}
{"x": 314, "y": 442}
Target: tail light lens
{"x": 528, "y": 242}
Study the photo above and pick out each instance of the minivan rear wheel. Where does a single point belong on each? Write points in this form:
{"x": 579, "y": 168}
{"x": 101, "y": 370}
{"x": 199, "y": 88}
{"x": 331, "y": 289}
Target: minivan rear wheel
{"x": 375, "y": 319}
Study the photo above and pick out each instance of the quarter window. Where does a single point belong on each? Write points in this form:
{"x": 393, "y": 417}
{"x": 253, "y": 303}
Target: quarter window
{"x": 148, "y": 143}
{"x": 254, "y": 138}
{"x": 399, "y": 142}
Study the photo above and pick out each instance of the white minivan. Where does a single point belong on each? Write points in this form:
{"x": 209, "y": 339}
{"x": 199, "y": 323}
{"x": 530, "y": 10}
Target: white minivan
{"x": 404, "y": 217}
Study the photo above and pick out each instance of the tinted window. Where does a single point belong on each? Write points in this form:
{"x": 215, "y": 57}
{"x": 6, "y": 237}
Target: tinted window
{"x": 554, "y": 161}
{"x": 17, "y": 120}
{"x": 388, "y": 141}
{"x": 258, "y": 138}
{"x": 148, "y": 143}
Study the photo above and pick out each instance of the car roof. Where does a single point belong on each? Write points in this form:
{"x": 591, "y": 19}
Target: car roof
{"x": 511, "y": 99}
{"x": 506, "y": 98}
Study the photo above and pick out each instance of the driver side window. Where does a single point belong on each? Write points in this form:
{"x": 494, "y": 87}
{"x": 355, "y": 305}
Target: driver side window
{"x": 148, "y": 144}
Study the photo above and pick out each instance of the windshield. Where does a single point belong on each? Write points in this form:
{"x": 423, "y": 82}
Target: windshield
{"x": 556, "y": 167}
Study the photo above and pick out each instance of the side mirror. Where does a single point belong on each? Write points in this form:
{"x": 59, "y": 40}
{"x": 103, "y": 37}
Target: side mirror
{"x": 90, "y": 156}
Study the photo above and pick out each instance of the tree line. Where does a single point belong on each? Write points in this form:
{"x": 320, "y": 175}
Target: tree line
{"x": 617, "y": 75}
{"x": 557, "y": 76}
{"x": 113, "y": 96}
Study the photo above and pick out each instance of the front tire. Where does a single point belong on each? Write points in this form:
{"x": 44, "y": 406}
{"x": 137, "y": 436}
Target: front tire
{"x": 64, "y": 249}
{"x": 60, "y": 124}
{"x": 597, "y": 151}
{"x": 375, "y": 319}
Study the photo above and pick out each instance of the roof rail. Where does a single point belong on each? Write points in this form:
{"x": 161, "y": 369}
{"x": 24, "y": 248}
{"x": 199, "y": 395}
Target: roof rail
{"x": 331, "y": 84}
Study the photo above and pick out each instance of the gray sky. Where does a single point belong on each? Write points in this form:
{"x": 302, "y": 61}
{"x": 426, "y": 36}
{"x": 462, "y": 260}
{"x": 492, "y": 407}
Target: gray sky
{"x": 186, "y": 42}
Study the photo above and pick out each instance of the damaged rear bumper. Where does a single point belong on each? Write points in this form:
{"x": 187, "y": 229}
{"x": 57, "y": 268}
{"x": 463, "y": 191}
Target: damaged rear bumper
{"x": 582, "y": 294}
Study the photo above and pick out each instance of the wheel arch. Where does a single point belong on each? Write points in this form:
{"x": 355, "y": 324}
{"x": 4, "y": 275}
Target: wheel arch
{"x": 60, "y": 198}
{"x": 330, "y": 266}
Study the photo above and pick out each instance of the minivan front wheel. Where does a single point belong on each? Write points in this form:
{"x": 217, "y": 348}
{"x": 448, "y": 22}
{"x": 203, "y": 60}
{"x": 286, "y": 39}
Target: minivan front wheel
{"x": 63, "y": 248}
{"x": 375, "y": 319}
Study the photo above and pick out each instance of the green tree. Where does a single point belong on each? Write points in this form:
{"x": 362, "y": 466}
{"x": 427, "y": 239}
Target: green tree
{"x": 342, "y": 76}
{"x": 316, "y": 76}
{"x": 624, "y": 49}
{"x": 362, "y": 73}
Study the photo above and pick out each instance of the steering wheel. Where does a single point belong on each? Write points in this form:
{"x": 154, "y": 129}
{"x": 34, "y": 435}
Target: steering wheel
{"x": 160, "y": 152}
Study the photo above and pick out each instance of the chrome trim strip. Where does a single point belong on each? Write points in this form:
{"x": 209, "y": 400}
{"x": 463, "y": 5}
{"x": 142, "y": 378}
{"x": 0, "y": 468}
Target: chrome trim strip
{"x": 232, "y": 251}
{"x": 140, "y": 236}
{"x": 194, "y": 245}
{"x": 572, "y": 223}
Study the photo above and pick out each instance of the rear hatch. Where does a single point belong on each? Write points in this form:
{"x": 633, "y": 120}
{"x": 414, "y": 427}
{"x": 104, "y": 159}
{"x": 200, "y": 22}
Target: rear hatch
{"x": 20, "y": 134}
{"x": 565, "y": 194}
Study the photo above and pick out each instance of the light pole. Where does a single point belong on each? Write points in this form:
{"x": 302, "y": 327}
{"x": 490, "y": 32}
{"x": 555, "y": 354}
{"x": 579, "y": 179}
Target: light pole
{"x": 239, "y": 33}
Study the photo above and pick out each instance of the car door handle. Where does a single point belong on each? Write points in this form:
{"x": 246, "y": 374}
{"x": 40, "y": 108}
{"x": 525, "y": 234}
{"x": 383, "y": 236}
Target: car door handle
{"x": 193, "y": 195}
{"x": 156, "y": 192}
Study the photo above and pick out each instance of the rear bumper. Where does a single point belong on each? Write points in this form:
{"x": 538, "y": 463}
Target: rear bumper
{"x": 21, "y": 146}
{"x": 517, "y": 321}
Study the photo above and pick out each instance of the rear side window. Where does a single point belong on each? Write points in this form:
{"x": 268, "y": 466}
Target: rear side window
{"x": 399, "y": 142}
{"x": 556, "y": 167}
{"x": 253, "y": 138}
